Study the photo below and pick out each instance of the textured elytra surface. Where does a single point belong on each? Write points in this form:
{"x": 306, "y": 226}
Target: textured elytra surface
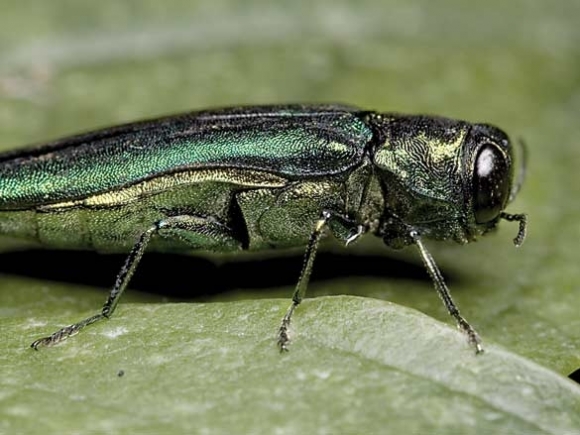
{"x": 285, "y": 140}
{"x": 68, "y": 68}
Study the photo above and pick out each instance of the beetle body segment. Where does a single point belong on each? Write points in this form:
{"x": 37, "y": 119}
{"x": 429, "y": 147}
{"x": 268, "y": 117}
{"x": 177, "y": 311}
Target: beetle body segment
{"x": 255, "y": 178}
{"x": 250, "y": 170}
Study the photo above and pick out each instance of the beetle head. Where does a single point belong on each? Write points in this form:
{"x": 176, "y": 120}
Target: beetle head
{"x": 443, "y": 178}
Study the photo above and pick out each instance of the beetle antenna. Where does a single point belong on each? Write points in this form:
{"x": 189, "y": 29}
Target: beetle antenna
{"x": 521, "y": 170}
{"x": 523, "y": 220}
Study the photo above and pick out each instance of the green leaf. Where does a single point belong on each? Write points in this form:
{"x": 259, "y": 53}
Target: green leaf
{"x": 355, "y": 365}
{"x": 69, "y": 66}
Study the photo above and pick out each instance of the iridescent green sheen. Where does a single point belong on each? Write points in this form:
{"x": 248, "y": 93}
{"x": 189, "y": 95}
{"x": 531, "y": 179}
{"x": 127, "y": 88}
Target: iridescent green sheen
{"x": 294, "y": 141}
{"x": 256, "y": 178}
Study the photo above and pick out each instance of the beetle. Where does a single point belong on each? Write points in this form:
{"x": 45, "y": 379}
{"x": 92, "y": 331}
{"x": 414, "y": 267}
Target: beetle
{"x": 262, "y": 177}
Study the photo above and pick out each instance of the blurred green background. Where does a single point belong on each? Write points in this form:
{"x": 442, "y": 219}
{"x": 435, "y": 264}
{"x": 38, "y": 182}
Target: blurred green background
{"x": 70, "y": 66}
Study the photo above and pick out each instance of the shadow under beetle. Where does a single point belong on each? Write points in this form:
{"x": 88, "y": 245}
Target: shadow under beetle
{"x": 265, "y": 177}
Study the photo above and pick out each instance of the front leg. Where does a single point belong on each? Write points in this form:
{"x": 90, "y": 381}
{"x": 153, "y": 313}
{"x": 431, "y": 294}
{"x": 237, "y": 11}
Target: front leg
{"x": 445, "y": 295}
{"x": 194, "y": 230}
{"x": 338, "y": 224}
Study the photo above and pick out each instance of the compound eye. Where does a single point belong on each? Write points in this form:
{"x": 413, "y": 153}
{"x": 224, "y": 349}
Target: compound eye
{"x": 491, "y": 183}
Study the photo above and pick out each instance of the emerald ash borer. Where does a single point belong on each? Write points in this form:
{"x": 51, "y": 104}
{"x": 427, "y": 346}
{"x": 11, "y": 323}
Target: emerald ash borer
{"x": 257, "y": 178}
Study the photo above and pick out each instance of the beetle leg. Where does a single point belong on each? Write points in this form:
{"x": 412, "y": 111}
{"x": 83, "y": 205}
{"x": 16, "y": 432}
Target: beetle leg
{"x": 326, "y": 220}
{"x": 355, "y": 234}
{"x": 191, "y": 229}
{"x": 443, "y": 292}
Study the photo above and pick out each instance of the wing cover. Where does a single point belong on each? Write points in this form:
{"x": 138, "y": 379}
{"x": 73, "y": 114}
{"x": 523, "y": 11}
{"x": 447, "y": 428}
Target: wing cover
{"x": 293, "y": 141}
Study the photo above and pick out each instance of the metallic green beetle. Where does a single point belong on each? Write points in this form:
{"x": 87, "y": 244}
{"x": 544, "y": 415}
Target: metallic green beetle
{"x": 255, "y": 178}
